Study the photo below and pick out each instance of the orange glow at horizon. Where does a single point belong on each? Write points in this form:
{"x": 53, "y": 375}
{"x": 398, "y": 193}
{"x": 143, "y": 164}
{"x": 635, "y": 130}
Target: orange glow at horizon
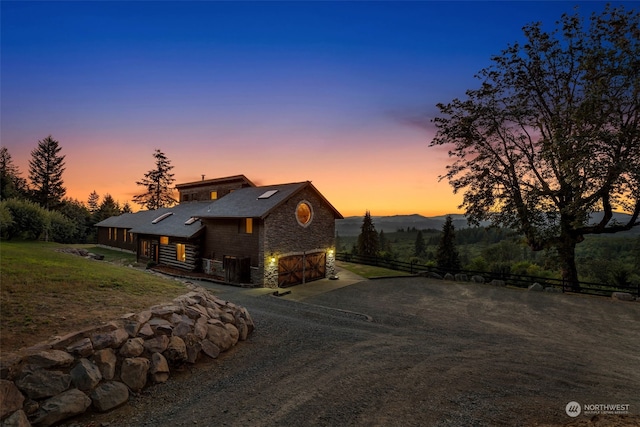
{"x": 383, "y": 178}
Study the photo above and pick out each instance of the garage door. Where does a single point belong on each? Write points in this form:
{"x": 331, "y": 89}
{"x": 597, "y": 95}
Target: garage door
{"x": 296, "y": 269}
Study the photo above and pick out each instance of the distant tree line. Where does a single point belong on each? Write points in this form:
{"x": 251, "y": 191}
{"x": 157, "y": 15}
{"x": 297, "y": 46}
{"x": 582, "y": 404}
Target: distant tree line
{"x": 38, "y": 209}
{"x": 607, "y": 260}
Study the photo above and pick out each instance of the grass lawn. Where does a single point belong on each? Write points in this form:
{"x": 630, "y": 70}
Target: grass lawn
{"x": 369, "y": 271}
{"x": 46, "y": 293}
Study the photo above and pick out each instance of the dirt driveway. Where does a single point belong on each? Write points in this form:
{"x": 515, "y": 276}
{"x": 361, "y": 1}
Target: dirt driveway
{"x": 407, "y": 352}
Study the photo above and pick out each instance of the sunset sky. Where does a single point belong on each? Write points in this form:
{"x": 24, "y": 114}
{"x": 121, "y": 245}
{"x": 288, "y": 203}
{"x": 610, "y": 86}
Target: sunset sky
{"x": 337, "y": 93}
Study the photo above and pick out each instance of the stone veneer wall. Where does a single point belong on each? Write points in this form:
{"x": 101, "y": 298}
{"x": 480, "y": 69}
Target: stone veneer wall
{"x": 97, "y": 368}
{"x": 284, "y": 236}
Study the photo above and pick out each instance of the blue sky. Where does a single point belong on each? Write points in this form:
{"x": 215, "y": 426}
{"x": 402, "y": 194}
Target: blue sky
{"x": 338, "y": 93}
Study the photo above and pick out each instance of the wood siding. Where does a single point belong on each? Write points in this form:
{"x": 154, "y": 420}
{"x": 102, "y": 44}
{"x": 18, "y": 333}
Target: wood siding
{"x": 114, "y": 237}
{"x": 168, "y": 256}
{"x": 225, "y": 237}
{"x": 203, "y": 192}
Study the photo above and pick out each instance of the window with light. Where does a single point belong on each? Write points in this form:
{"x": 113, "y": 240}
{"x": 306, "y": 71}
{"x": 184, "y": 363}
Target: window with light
{"x": 304, "y": 213}
{"x": 181, "y": 252}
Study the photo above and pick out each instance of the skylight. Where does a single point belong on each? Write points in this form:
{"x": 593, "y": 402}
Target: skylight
{"x": 190, "y": 220}
{"x": 267, "y": 194}
{"x": 161, "y": 217}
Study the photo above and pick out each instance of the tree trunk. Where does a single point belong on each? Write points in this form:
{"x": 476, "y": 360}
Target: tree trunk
{"x": 567, "y": 257}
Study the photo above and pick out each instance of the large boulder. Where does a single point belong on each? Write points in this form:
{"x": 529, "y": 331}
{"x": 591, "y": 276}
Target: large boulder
{"x": 134, "y": 372}
{"x": 85, "y": 375}
{"x": 82, "y": 347}
{"x": 65, "y": 405}
{"x": 106, "y": 360}
{"x": 220, "y": 336}
{"x": 157, "y": 344}
{"x": 536, "y": 287}
{"x": 39, "y": 383}
{"x": 210, "y": 349}
{"x": 159, "y": 368}
{"x": 477, "y": 279}
{"x": 48, "y": 359}
{"x": 17, "y": 419}
{"x": 109, "y": 395}
{"x": 176, "y": 351}
{"x": 10, "y": 398}
{"x": 133, "y": 347}
{"x": 622, "y": 296}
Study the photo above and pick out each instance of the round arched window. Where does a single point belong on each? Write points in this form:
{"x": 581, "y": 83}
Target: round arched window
{"x": 304, "y": 213}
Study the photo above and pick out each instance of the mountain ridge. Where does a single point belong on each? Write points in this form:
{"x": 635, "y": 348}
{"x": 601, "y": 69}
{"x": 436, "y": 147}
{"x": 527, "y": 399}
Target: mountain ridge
{"x": 350, "y": 226}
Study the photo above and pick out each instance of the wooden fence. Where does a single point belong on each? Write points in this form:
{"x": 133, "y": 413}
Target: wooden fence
{"x": 518, "y": 280}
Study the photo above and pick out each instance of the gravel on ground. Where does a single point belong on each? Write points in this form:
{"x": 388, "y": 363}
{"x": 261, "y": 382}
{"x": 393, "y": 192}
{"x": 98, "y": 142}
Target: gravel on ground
{"x": 407, "y": 352}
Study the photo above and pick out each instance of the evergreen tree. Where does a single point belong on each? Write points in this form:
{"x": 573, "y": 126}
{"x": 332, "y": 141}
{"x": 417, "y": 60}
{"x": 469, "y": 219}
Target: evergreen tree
{"x": 447, "y": 257}
{"x": 420, "y": 248}
{"x": 11, "y": 183}
{"x": 126, "y": 208}
{"x": 368, "y": 243}
{"x": 108, "y": 208}
{"x": 157, "y": 182}
{"x": 45, "y": 172}
{"x": 383, "y": 241}
{"x": 93, "y": 202}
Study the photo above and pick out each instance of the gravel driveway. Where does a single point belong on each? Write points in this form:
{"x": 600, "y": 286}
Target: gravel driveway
{"x": 406, "y": 352}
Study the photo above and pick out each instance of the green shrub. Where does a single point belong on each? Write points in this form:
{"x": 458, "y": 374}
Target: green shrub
{"x": 6, "y": 220}
{"x": 29, "y": 220}
{"x": 478, "y": 264}
{"x": 61, "y": 229}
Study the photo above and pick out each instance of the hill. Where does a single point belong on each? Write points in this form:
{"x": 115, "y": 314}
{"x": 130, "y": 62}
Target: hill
{"x": 350, "y": 226}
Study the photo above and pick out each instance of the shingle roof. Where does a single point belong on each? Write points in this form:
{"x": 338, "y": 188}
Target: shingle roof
{"x": 235, "y": 178}
{"x": 241, "y": 203}
{"x": 172, "y": 225}
{"x": 246, "y": 202}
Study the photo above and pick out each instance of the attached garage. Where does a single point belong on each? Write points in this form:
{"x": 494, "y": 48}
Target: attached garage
{"x": 303, "y": 268}
{"x": 276, "y": 235}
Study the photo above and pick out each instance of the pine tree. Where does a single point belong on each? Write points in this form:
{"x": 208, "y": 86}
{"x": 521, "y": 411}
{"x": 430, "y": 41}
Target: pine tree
{"x": 108, "y": 208}
{"x": 11, "y": 183}
{"x": 158, "y": 185}
{"x": 383, "y": 241}
{"x": 447, "y": 257}
{"x": 368, "y": 243}
{"x": 420, "y": 248}
{"x": 45, "y": 172}
{"x": 93, "y": 202}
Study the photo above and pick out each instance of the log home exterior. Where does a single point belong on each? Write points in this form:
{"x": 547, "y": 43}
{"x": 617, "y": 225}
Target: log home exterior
{"x": 273, "y": 236}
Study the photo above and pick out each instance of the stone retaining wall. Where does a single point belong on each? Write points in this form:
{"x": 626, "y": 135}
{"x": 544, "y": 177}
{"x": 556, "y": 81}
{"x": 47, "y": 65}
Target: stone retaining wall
{"x": 98, "y": 368}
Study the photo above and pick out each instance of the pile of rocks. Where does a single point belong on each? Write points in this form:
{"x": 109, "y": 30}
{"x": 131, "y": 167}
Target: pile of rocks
{"x": 97, "y": 368}
{"x": 81, "y": 252}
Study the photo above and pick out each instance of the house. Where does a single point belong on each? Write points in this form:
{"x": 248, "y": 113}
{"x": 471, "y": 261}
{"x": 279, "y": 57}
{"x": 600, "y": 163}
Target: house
{"x": 236, "y": 232}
